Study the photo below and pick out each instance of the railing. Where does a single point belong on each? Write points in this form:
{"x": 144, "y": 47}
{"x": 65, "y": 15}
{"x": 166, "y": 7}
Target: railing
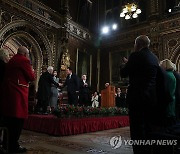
{"x": 37, "y": 10}
{"x": 79, "y": 31}
{"x": 36, "y": 7}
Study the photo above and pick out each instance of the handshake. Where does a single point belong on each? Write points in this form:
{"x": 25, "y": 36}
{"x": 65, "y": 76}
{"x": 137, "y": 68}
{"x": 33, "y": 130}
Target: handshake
{"x": 85, "y": 84}
{"x": 60, "y": 84}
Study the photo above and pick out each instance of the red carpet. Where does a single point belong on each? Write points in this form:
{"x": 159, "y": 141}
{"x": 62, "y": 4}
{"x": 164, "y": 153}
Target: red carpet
{"x": 52, "y": 125}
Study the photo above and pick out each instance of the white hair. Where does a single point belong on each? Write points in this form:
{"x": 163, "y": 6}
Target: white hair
{"x": 175, "y": 68}
{"x": 167, "y": 65}
{"x": 50, "y": 68}
{"x": 3, "y": 53}
{"x": 143, "y": 41}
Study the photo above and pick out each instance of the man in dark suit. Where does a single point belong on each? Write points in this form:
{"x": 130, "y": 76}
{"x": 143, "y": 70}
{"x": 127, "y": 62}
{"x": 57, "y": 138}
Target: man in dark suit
{"x": 84, "y": 98}
{"x": 44, "y": 90}
{"x": 72, "y": 83}
{"x": 4, "y": 58}
{"x": 141, "y": 68}
{"x": 177, "y": 94}
{"x": 120, "y": 98}
{"x": 14, "y": 105}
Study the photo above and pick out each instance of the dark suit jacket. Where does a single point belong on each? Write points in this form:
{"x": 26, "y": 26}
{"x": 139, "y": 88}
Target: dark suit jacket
{"x": 83, "y": 88}
{"x": 72, "y": 83}
{"x": 177, "y": 76}
{"x": 142, "y": 69}
{"x": 2, "y": 72}
{"x": 121, "y": 100}
{"x": 44, "y": 86}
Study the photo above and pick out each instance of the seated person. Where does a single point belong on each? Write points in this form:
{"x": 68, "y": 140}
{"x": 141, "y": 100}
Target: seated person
{"x": 120, "y": 98}
{"x": 94, "y": 99}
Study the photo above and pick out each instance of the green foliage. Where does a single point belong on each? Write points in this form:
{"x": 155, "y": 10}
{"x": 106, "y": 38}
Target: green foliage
{"x": 81, "y": 111}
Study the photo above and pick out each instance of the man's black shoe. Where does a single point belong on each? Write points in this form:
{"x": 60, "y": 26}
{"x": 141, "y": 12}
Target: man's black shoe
{"x": 19, "y": 149}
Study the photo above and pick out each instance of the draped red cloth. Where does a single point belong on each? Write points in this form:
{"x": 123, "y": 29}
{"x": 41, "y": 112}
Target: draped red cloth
{"x": 71, "y": 126}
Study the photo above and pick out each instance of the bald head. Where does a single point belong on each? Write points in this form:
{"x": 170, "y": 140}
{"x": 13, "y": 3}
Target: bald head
{"x": 23, "y": 51}
{"x": 141, "y": 41}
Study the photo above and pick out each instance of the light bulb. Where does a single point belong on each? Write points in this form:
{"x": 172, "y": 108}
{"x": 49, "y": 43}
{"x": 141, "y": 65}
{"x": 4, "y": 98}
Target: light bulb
{"x": 114, "y": 26}
{"x": 122, "y": 14}
{"x": 133, "y": 8}
{"x": 105, "y": 30}
{"x": 138, "y": 11}
{"x": 127, "y": 17}
{"x": 135, "y": 15}
{"x": 125, "y": 10}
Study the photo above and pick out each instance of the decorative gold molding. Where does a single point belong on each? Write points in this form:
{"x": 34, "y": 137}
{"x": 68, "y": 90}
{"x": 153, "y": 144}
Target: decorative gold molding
{"x": 78, "y": 31}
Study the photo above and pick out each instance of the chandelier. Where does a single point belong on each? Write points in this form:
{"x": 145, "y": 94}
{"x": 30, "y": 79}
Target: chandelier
{"x": 130, "y": 10}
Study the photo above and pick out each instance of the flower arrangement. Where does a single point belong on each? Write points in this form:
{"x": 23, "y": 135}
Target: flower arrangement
{"x": 81, "y": 111}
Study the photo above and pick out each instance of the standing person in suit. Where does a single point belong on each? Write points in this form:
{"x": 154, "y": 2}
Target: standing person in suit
{"x": 141, "y": 67}
{"x": 72, "y": 83}
{"x": 14, "y": 105}
{"x": 106, "y": 85}
{"x": 44, "y": 90}
{"x": 84, "y": 98}
{"x": 4, "y": 58}
{"x": 120, "y": 98}
{"x": 54, "y": 92}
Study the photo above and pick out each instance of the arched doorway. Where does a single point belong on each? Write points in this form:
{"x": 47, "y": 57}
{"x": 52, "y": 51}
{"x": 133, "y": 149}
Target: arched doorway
{"x": 171, "y": 48}
{"x": 21, "y": 33}
{"x": 24, "y": 39}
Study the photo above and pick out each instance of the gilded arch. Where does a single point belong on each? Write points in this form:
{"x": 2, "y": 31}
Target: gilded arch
{"x": 175, "y": 56}
{"x": 171, "y": 48}
{"x": 21, "y": 25}
{"x": 42, "y": 55}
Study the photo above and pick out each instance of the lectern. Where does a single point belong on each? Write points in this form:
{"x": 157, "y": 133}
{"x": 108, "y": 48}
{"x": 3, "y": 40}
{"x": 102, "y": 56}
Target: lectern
{"x": 108, "y": 97}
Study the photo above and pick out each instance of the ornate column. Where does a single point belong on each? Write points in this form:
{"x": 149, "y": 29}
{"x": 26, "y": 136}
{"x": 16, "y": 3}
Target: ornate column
{"x": 64, "y": 39}
{"x": 154, "y": 12}
{"x": 64, "y": 10}
{"x": 153, "y": 9}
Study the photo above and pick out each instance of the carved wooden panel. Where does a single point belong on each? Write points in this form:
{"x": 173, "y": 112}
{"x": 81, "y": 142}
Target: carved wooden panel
{"x": 171, "y": 46}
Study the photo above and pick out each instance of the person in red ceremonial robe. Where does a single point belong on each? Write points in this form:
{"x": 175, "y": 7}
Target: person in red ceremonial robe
{"x": 14, "y": 105}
